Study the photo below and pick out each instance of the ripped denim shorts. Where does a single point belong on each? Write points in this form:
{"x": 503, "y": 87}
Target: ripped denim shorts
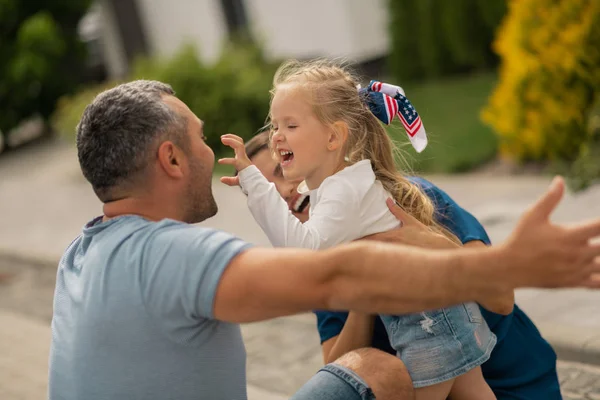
{"x": 440, "y": 345}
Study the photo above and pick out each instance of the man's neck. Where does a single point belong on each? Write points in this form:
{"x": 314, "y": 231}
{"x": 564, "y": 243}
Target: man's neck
{"x": 145, "y": 208}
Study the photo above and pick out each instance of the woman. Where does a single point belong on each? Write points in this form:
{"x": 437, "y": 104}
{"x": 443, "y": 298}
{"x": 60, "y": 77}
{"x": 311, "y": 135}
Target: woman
{"x": 511, "y": 372}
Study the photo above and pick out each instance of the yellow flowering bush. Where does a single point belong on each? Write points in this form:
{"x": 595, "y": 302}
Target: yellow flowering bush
{"x": 549, "y": 79}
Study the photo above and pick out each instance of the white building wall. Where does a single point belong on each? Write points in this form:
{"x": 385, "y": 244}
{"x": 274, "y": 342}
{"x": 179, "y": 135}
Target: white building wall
{"x": 112, "y": 45}
{"x": 356, "y": 29}
{"x": 171, "y": 23}
{"x": 353, "y": 29}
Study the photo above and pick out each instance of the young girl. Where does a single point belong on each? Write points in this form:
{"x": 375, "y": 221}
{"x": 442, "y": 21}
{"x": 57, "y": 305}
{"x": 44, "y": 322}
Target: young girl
{"x": 324, "y": 130}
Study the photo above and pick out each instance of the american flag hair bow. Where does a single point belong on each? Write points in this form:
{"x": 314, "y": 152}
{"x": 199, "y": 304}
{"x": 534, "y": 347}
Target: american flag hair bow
{"x": 385, "y": 101}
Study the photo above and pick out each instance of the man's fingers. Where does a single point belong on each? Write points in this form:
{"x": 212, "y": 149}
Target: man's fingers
{"x": 592, "y": 251}
{"x": 593, "y": 282}
{"x": 587, "y": 230}
{"x": 230, "y": 180}
{"x": 542, "y": 208}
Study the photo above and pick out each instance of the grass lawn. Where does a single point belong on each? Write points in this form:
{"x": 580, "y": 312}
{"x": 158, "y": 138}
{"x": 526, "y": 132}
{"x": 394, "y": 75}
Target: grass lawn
{"x": 458, "y": 140}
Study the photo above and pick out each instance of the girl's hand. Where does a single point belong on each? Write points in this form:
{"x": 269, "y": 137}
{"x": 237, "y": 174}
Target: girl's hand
{"x": 240, "y": 161}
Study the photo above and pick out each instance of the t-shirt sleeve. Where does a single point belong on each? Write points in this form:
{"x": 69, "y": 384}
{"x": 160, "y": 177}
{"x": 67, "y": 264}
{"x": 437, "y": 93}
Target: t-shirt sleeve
{"x": 330, "y": 323}
{"x": 182, "y": 267}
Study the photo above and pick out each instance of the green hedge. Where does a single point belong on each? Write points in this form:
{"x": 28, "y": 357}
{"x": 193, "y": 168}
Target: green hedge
{"x": 231, "y": 96}
{"x": 434, "y": 38}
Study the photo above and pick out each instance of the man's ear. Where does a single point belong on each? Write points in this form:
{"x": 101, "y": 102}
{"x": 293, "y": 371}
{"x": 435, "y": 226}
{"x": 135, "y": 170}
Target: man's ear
{"x": 338, "y": 135}
{"x": 171, "y": 159}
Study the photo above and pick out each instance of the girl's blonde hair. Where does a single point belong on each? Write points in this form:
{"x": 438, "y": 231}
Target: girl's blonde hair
{"x": 332, "y": 91}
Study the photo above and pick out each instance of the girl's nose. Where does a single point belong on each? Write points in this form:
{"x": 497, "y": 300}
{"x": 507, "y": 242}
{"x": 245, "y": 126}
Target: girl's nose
{"x": 277, "y": 138}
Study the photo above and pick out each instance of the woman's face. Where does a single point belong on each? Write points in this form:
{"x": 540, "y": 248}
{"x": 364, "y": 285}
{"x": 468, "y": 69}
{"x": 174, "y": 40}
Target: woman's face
{"x": 271, "y": 169}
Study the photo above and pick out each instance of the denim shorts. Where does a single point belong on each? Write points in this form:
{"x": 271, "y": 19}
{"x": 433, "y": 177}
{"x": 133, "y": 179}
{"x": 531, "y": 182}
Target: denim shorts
{"x": 334, "y": 382}
{"x": 440, "y": 345}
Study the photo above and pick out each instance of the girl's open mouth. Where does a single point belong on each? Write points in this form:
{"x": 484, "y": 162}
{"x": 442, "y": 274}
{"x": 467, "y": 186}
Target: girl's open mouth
{"x": 286, "y": 157}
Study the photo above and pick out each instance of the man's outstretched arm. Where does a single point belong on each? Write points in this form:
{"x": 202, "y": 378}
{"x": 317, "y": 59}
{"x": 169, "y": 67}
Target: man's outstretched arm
{"x": 381, "y": 278}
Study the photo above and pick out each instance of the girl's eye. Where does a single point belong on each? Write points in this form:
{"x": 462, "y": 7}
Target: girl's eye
{"x": 292, "y": 126}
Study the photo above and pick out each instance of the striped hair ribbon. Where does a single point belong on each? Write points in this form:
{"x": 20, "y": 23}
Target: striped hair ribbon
{"x": 386, "y": 101}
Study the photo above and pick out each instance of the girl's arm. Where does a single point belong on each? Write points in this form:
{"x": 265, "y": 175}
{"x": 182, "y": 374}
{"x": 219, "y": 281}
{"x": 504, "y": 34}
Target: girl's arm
{"x": 272, "y": 213}
{"x": 357, "y": 333}
{"x": 334, "y": 220}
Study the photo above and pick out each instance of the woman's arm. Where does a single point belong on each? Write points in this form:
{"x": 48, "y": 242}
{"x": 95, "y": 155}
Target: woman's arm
{"x": 356, "y": 333}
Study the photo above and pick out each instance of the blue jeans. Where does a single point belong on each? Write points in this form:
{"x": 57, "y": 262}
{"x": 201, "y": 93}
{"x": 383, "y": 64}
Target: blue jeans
{"x": 334, "y": 382}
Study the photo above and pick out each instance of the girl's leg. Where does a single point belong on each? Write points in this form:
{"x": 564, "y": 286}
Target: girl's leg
{"x": 471, "y": 386}
{"x": 439, "y": 391}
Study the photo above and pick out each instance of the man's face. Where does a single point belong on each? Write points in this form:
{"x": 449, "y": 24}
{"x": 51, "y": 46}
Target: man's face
{"x": 271, "y": 169}
{"x": 198, "y": 200}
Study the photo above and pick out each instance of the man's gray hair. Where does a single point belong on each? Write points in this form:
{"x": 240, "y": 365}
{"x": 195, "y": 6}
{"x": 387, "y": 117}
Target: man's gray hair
{"x": 119, "y": 133}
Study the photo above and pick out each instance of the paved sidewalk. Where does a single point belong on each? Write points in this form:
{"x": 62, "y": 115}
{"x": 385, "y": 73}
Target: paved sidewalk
{"x": 579, "y": 381}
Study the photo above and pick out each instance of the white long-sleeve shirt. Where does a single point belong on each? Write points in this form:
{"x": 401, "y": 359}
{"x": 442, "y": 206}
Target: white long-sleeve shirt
{"x": 347, "y": 206}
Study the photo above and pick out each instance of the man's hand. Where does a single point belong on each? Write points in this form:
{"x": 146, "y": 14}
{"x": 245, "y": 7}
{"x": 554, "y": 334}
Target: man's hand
{"x": 241, "y": 160}
{"x": 412, "y": 232}
{"x": 542, "y": 254}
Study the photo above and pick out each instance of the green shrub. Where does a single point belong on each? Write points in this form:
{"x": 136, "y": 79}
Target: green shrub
{"x": 41, "y": 55}
{"x": 70, "y": 108}
{"x": 435, "y": 38}
{"x": 231, "y": 96}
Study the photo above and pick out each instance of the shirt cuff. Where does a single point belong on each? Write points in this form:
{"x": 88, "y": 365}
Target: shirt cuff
{"x": 246, "y": 175}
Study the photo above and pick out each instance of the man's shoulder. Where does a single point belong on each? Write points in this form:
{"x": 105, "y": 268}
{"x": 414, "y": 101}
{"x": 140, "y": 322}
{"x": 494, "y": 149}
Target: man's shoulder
{"x": 167, "y": 227}
{"x": 153, "y": 235}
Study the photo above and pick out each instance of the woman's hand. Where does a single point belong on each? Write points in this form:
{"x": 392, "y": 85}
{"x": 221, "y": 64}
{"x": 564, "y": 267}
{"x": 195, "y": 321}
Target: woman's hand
{"x": 240, "y": 161}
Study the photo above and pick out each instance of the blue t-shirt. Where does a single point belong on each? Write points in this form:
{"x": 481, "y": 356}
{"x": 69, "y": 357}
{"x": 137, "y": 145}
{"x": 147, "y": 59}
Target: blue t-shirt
{"x": 522, "y": 366}
{"x": 133, "y": 315}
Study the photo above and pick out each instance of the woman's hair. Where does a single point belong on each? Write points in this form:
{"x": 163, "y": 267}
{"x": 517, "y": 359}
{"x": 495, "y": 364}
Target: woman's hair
{"x": 332, "y": 91}
{"x": 257, "y": 144}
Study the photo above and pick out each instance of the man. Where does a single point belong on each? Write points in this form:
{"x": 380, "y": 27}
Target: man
{"x": 146, "y": 305}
